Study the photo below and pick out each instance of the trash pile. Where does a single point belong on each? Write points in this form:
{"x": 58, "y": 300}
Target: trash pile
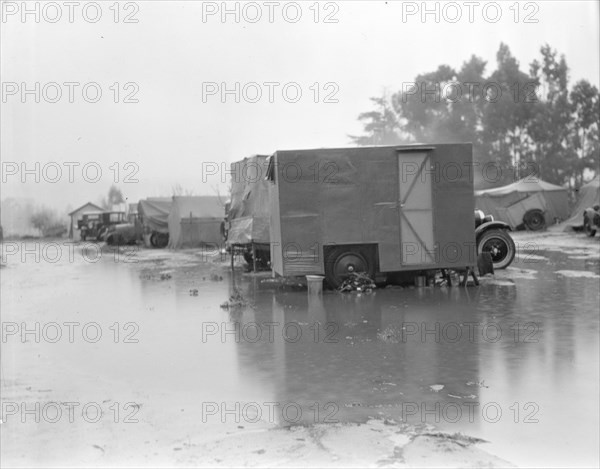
{"x": 236, "y": 300}
{"x": 357, "y": 281}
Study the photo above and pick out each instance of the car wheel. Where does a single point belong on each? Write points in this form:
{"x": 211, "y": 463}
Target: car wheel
{"x": 159, "y": 240}
{"x": 534, "y": 220}
{"x": 500, "y": 245}
{"x": 587, "y": 227}
{"x": 248, "y": 257}
{"x": 342, "y": 261}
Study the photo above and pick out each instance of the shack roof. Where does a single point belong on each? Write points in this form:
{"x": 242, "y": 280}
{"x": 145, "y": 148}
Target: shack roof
{"x": 93, "y": 208}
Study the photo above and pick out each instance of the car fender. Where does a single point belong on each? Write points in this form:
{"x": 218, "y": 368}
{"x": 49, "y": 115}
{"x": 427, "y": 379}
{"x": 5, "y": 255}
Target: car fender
{"x": 491, "y": 225}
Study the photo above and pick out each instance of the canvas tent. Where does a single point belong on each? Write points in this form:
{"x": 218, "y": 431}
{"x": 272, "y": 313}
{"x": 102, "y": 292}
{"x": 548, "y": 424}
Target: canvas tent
{"x": 248, "y": 213}
{"x": 512, "y": 203}
{"x": 195, "y": 221}
{"x": 153, "y": 213}
{"x": 588, "y": 196}
{"x": 153, "y": 216}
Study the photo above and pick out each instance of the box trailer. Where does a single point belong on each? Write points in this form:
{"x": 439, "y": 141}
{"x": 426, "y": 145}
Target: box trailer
{"x": 378, "y": 210}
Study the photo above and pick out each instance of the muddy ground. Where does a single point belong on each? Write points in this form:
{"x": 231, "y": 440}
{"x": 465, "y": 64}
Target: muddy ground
{"x": 160, "y": 358}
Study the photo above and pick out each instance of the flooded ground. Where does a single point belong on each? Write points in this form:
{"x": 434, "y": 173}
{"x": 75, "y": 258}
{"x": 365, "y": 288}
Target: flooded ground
{"x": 132, "y": 358}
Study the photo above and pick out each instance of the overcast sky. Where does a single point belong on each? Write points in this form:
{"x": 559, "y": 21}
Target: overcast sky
{"x": 178, "y": 54}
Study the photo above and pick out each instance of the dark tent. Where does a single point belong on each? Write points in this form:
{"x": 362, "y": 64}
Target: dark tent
{"x": 517, "y": 202}
{"x": 248, "y": 213}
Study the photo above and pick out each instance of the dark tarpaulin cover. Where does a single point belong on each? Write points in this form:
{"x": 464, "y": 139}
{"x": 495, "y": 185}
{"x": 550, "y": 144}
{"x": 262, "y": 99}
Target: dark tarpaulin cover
{"x": 154, "y": 212}
{"x": 249, "y": 210}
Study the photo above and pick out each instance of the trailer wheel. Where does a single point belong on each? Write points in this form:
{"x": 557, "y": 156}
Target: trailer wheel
{"x": 342, "y": 261}
{"x": 534, "y": 220}
{"x": 587, "y": 227}
{"x": 500, "y": 245}
{"x": 159, "y": 240}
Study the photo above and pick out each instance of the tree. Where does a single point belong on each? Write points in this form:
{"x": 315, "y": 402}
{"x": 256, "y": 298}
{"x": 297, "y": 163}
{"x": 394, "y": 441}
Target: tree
{"x": 586, "y": 111}
{"x": 382, "y": 126}
{"x": 114, "y": 197}
{"x": 550, "y": 126}
{"x": 529, "y": 121}
{"x": 42, "y": 219}
{"x": 47, "y": 222}
{"x": 508, "y": 108}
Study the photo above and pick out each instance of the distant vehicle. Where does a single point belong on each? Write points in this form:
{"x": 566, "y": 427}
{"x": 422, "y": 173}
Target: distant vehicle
{"x": 493, "y": 237}
{"x": 123, "y": 233}
{"x": 591, "y": 220}
{"x": 95, "y": 225}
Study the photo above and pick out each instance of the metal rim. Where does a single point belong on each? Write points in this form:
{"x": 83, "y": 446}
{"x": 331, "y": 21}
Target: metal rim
{"x": 347, "y": 263}
{"x": 535, "y": 220}
{"x": 497, "y": 247}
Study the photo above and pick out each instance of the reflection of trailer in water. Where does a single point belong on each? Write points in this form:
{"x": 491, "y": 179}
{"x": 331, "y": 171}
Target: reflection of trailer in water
{"x": 379, "y": 210}
{"x": 248, "y": 213}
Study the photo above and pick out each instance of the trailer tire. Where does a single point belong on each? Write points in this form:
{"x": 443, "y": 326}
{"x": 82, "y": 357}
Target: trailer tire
{"x": 534, "y": 220}
{"x": 159, "y": 240}
{"x": 500, "y": 245}
{"x": 342, "y": 260}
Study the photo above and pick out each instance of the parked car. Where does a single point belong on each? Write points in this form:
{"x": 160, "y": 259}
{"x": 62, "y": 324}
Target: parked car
{"x": 591, "y": 220}
{"x": 493, "y": 236}
{"x": 95, "y": 225}
{"x": 123, "y": 233}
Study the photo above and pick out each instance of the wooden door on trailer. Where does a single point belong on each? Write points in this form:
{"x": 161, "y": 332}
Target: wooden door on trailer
{"x": 415, "y": 206}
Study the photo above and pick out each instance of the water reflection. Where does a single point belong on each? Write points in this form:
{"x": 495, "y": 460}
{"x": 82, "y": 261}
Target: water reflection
{"x": 522, "y": 345}
{"x": 526, "y": 343}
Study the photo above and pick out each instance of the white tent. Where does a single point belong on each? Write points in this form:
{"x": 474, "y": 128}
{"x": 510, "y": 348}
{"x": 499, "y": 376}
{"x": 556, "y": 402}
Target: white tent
{"x": 195, "y": 221}
{"x": 588, "y": 196}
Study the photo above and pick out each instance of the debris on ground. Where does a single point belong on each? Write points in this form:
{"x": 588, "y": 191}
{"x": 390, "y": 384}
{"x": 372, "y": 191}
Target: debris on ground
{"x": 480, "y": 384}
{"x": 458, "y": 438}
{"x": 236, "y": 300}
{"x": 150, "y": 275}
{"x": 389, "y": 334}
{"x": 358, "y": 281}
{"x": 194, "y": 292}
